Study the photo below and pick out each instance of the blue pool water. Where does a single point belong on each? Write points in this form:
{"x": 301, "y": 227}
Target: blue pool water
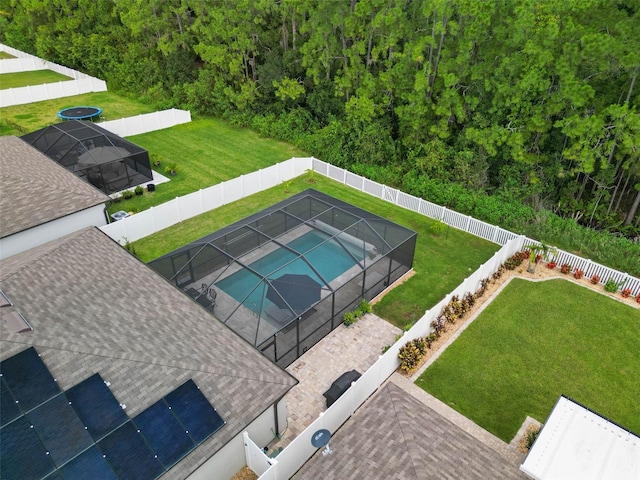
{"x": 329, "y": 259}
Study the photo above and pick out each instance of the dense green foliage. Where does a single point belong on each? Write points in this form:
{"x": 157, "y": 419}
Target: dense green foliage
{"x": 520, "y": 354}
{"x": 530, "y": 105}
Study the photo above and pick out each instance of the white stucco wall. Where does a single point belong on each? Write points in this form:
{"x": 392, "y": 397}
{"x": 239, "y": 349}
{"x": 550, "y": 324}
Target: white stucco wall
{"x": 231, "y": 458}
{"x": 21, "y": 241}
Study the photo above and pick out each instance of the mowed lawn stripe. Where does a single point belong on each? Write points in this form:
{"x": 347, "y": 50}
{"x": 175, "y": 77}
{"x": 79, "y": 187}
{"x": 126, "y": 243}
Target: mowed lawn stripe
{"x": 535, "y": 342}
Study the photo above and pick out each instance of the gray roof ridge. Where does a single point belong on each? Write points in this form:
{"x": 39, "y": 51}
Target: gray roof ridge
{"x": 407, "y": 427}
{"x": 28, "y": 258}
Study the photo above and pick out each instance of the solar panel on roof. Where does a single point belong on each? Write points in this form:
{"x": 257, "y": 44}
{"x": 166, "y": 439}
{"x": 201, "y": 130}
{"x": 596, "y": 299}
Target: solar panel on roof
{"x": 91, "y": 464}
{"x": 59, "y": 429}
{"x": 29, "y": 379}
{"x": 165, "y": 434}
{"x": 129, "y": 455}
{"x": 194, "y": 411}
{"x": 9, "y": 409}
{"x": 22, "y": 455}
{"x": 54, "y": 476}
{"x": 96, "y": 406}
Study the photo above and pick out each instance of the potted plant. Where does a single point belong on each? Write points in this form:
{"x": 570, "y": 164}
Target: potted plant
{"x": 578, "y": 274}
{"x": 171, "y": 169}
{"x": 155, "y": 160}
{"x": 595, "y": 279}
{"x": 565, "y": 268}
{"x": 138, "y": 190}
{"x": 127, "y": 194}
{"x": 538, "y": 253}
{"x": 626, "y": 293}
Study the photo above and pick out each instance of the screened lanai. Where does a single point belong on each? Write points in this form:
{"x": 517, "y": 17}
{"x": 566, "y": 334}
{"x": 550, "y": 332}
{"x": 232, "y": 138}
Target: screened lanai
{"x": 98, "y": 156}
{"x": 284, "y": 277}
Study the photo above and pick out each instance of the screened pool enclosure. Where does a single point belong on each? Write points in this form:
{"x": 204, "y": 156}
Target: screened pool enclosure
{"x": 98, "y": 156}
{"x": 284, "y": 277}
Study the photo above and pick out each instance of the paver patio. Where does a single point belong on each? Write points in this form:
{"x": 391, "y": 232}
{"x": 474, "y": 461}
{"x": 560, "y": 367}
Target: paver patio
{"x": 346, "y": 348}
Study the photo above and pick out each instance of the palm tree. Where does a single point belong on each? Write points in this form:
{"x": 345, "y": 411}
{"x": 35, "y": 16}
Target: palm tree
{"x": 539, "y": 252}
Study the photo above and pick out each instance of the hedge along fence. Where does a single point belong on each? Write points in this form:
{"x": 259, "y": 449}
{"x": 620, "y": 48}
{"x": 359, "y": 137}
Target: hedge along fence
{"x": 469, "y": 224}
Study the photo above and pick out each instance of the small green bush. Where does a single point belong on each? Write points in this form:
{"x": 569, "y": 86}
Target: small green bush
{"x": 409, "y": 356}
{"x": 611, "y": 286}
{"x": 438, "y": 227}
{"x": 349, "y": 318}
{"x": 353, "y": 316}
{"x": 171, "y": 169}
{"x": 531, "y": 438}
{"x": 365, "y": 307}
{"x": 127, "y": 194}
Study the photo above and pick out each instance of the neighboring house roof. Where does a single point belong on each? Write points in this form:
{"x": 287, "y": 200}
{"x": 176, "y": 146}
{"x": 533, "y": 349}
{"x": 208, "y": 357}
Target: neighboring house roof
{"x": 36, "y": 190}
{"x": 396, "y": 436}
{"x": 578, "y": 443}
{"x": 96, "y": 308}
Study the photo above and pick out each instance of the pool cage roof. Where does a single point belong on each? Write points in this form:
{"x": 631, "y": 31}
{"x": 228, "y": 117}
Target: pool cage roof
{"x": 98, "y": 156}
{"x": 287, "y": 262}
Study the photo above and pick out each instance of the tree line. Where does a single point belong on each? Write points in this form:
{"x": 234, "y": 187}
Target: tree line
{"x": 533, "y": 102}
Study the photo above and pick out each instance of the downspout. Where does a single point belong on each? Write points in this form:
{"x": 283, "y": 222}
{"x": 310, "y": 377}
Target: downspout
{"x": 275, "y": 417}
{"x": 105, "y": 210}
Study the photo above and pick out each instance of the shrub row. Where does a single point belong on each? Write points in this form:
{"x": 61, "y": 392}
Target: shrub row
{"x": 354, "y": 315}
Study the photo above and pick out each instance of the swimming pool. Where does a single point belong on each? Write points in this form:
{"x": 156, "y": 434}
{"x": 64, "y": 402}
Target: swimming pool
{"x": 329, "y": 259}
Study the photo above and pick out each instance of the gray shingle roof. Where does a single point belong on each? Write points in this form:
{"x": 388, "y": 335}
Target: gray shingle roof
{"x": 396, "y": 436}
{"x": 96, "y": 308}
{"x": 30, "y": 179}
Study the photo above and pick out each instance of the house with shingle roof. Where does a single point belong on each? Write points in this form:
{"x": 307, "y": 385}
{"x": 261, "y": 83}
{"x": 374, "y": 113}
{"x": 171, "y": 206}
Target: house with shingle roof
{"x": 41, "y": 200}
{"x": 395, "y": 435}
{"x": 93, "y": 308}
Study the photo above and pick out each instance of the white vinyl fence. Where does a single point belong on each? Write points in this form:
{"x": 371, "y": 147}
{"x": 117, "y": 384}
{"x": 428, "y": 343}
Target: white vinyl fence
{"x": 182, "y": 208}
{"x": 469, "y": 224}
{"x": 294, "y": 455}
{"x": 147, "y": 122}
{"x": 163, "y": 216}
{"x": 82, "y": 82}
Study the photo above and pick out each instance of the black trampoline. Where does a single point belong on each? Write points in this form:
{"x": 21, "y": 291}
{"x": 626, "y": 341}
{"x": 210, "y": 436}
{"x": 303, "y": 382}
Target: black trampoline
{"x": 79, "y": 113}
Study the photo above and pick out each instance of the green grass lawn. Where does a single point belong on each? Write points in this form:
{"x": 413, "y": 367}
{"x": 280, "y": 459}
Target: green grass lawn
{"x": 21, "y": 119}
{"x": 27, "y": 79}
{"x": 207, "y": 152}
{"x": 441, "y": 261}
{"x": 537, "y": 341}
